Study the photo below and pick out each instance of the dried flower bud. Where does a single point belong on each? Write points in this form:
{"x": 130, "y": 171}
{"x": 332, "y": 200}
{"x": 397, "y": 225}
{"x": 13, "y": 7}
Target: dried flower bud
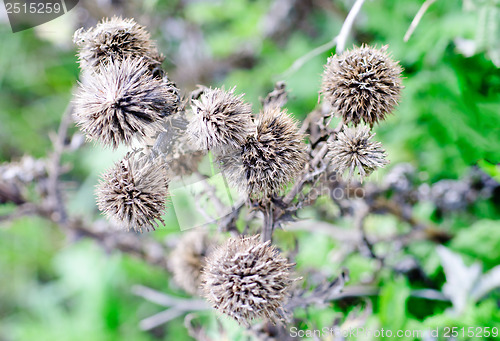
{"x": 352, "y": 149}
{"x": 115, "y": 39}
{"x": 133, "y": 193}
{"x": 247, "y": 279}
{"x": 188, "y": 259}
{"x": 270, "y": 158}
{"x": 123, "y": 101}
{"x": 221, "y": 121}
{"x": 363, "y": 84}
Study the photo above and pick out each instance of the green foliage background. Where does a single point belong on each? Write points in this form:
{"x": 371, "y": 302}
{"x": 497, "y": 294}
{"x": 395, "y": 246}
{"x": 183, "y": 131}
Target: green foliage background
{"x": 448, "y": 120}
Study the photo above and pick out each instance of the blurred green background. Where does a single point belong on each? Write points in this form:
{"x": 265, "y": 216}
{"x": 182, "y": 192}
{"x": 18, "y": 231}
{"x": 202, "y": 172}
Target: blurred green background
{"x": 448, "y": 121}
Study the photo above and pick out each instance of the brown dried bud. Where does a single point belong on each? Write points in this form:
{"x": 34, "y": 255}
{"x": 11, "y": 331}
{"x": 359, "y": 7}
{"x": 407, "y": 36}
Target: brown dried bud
{"x": 221, "y": 121}
{"x": 123, "y": 101}
{"x": 247, "y": 279}
{"x": 115, "y": 39}
{"x": 363, "y": 84}
{"x": 188, "y": 259}
{"x": 352, "y": 149}
{"x": 133, "y": 193}
{"x": 272, "y": 157}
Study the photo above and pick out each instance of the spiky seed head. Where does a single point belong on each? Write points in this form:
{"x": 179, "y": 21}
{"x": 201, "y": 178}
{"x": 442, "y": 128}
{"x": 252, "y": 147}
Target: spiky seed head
{"x": 363, "y": 84}
{"x": 221, "y": 120}
{"x": 189, "y": 257}
{"x": 354, "y": 149}
{"x": 271, "y": 157}
{"x": 115, "y": 39}
{"x": 123, "y": 101}
{"x": 247, "y": 279}
{"x": 133, "y": 193}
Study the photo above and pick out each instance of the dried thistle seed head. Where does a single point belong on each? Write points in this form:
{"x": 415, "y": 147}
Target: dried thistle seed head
{"x": 123, "y": 101}
{"x": 363, "y": 84}
{"x": 188, "y": 259}
{"x": 353, "y": 149}
{"x": 270, "y": 158}
{"x": 133, "y": 193}
{"x": 247, "y": 279}
{"x": 221, "y": 120}
{"x": 115, "y": 39}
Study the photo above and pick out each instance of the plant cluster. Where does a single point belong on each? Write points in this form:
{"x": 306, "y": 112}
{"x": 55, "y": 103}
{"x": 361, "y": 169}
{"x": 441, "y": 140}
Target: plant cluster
{"x": 125, "y": 98}
{"x": 414, "y": 246}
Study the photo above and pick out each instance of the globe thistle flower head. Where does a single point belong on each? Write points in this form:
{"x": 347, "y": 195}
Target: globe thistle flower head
{"x": 133, "y": 193}
{"x": 221, "y": 120}
{"x": 270, "y": 158}
{"x": 115, "y": 39}
{"x": 247, "y": 279}
{"x": 123, "y": 101}
{"x": 188, "y": 259}
{"x": 363, "y": 84}
{"x": 354, "y": 149}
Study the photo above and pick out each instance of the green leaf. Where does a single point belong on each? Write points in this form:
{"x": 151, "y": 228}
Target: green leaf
{"x": 392, "y": 301}
{"x": 480, "y": 241}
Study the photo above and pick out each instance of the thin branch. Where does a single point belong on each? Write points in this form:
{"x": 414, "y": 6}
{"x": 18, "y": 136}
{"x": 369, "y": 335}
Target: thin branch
{"x": 268, "y": 226}
{"x": 428, "y": 230}
{"x": 159, "y": 319}
{"x": 343, "y": 235}
{"x": 145, "y": 248}
{"x": 335, "y": 292}
{"x": 347, "y": 26}
{"x": 322, "y": 152}
{"x": 54, "y": 167}
{"x": 297, "y": 187}
{"x": 416, "y": 20}
{"x": 26, "y": 209}
{"x": 430, "y": 294}
{"x": 297, "y": 64}
{"x": 165, "y": 300}
{"x": 320, "y": 295}
{"x": 361, "y": 212}
{"x": 223, "y": 219}
{"x": 154, "y": 296}
{"x": 142, "y": 247}
{"x": 339, "y": 40}
{"x": 177, "y": 306}
{"x": 305, "y": 177}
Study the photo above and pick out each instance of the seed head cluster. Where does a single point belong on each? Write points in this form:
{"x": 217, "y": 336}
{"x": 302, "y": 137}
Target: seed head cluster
{"x": 126, "y": 97}
{"x": 133, "y": 193}
{"x": 115, "y": 39}
{"x": 188, "y": 259}
{"x": 123, "y": 101}
{"x": 247, "y": 279}
{"x": 354, "y": 149}
{"x": 363, "y": 84}
{"x": 270, "y": 158}
{"x": 221, "y": 120}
